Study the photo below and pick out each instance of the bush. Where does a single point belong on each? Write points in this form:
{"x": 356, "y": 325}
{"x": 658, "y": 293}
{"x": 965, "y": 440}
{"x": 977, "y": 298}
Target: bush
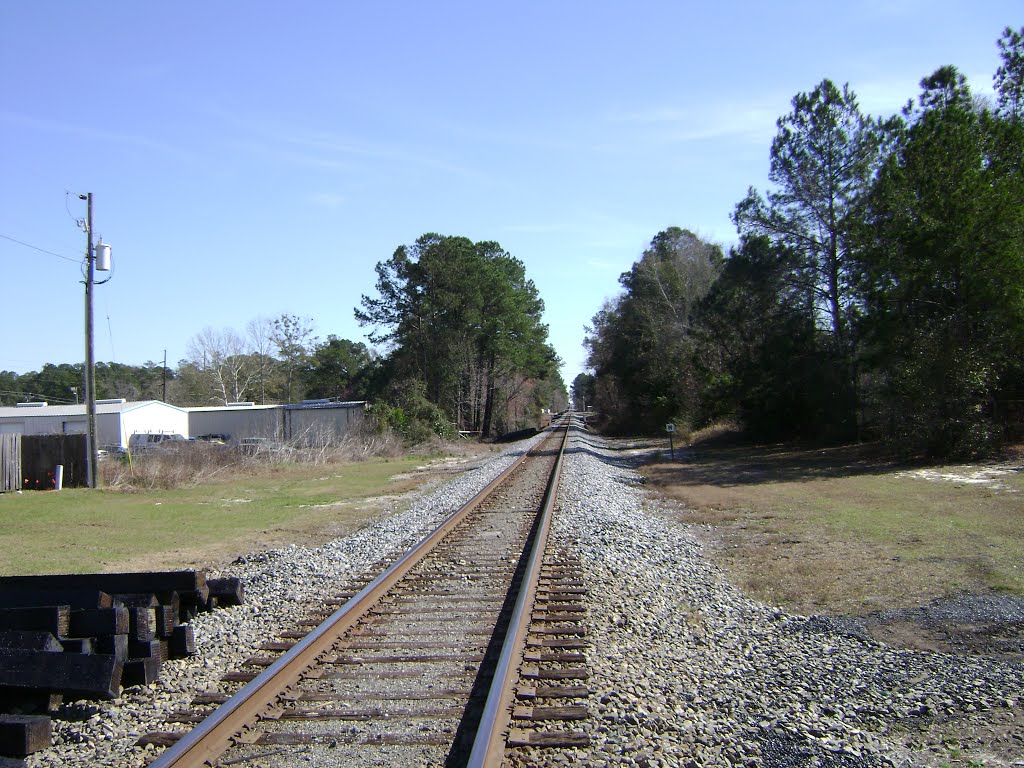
{"x": 936, "y": 402}
{"x": 414, "y": 418}
{"x": 173, "y": 465}
{"x": 188, "y": 464}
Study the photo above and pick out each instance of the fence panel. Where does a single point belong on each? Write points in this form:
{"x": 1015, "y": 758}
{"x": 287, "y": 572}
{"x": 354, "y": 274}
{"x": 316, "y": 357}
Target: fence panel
{"x": 40, "y": 455}
{"x": 10, "y": 462}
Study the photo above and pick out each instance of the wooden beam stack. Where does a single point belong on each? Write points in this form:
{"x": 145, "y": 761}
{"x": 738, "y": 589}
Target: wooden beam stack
{"x": 80, "y": 636}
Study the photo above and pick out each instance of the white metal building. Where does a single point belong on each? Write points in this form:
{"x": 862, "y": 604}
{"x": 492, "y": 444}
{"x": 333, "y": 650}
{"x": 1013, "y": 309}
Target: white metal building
{"x": 116, "y": 420}
{"x": 310, "y": 422}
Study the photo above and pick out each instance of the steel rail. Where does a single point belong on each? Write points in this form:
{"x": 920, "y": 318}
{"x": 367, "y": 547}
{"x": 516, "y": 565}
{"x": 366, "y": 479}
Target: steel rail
{"x": 488, "y": 750}
{"x": 214, "y": 735}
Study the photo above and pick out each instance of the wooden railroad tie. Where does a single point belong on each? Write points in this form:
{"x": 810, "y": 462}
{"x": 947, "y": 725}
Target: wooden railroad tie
{"x": 347, "y": 737}
{"x": 531, "y": 693}
{"x": 550, "y": 713}
{"x": 88, "y": 635}
{"x": 535, "y": 673}
{"x": 548, "y": 739}
{"x": 22, "y": 735}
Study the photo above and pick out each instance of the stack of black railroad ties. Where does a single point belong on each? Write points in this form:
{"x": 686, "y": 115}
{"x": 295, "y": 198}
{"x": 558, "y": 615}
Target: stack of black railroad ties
{"x": 84, "y": 636}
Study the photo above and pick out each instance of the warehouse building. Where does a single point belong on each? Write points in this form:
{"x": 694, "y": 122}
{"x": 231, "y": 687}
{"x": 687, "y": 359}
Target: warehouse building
{"x": 311, "y": 422}
{"x": 314, "y": 422}
{"x": 116, "y": 420}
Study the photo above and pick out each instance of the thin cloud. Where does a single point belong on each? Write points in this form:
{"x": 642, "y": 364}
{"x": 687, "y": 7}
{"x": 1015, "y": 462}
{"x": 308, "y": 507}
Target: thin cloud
{"x": 883, "y": 98}
{"x": 330, "y": 150}
{"x": 94, "y": 134}
{"x": 888, "y": 96}
{"x": 748, "y": 121}
{"x": 291, "y": 156}
{"x": 328, "y": 146}
{"x": 604, "y": 265}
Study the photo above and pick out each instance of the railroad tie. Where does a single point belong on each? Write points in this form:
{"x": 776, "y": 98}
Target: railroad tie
{"x": 547, "y": 739}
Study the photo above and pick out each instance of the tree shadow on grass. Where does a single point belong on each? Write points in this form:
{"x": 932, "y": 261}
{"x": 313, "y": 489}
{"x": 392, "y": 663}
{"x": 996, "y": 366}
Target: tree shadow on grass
{"x": 726, "y": 460}
{"x": 725, "y": 464}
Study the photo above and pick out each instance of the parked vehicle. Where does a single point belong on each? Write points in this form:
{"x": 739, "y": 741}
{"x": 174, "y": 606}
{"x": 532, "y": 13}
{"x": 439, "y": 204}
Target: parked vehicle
{"x": 142, "y": 441}
{"x": 250, "y": 446}
{"x": 111, "y": 451}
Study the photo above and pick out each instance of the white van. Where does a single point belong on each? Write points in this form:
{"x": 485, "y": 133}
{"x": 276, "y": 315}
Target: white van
{"x": 140, "y": 441}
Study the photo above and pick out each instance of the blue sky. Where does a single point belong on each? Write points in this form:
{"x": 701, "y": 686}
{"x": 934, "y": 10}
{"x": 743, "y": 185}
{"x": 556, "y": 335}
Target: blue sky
{"x": 258, "y": 158}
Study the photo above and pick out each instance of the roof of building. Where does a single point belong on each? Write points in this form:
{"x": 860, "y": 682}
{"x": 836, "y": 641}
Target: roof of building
{"x": 231, "y": 407}
{"x": 315, "y": 404}
{"x": 102, "y": 406}
{"x": 123, "y": 406}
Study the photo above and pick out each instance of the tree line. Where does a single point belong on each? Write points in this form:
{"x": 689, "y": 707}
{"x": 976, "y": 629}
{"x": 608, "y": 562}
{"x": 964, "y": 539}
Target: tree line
{"x": 462, "y": 324}
{"x": 877, "y": 290}
{"x": 275, "y": 361}
{"x": 464, "y": 349}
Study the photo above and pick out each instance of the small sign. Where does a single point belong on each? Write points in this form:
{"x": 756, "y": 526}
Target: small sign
{"x": 670, "y": 427}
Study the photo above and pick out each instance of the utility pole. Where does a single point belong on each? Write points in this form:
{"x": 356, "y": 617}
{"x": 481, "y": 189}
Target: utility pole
{"x": 90, "y": 365}
{"x": 96, "y": 258}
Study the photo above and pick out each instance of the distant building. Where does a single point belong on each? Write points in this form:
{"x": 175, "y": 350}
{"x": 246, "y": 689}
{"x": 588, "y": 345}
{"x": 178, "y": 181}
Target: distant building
{"x": 320, "y": 422}
{"x": 116, "y": 420}
{"x": 235, "y": 421}
{"x": 306, "y": 423}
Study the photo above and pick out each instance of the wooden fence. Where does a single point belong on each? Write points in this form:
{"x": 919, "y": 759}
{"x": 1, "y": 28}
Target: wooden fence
{"x": 40, "y": 455}
{"x": 10, "y": 462}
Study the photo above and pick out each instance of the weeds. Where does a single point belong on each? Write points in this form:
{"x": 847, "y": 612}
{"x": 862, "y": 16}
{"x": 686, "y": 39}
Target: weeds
{"x": 187, "y": 464}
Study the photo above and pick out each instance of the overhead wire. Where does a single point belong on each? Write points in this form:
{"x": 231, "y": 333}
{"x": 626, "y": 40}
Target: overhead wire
{"x": 27, "y": 396}
{"x": 37, "y": 248}
{"x": 79, "y": 221}
{"x": 110, "y": 333}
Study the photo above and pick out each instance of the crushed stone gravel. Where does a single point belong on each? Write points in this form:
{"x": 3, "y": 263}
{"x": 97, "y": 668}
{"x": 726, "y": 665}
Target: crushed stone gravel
{"x": 687, "y": 670}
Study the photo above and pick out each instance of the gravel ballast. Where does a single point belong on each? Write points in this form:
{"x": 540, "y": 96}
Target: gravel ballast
{"x": 687, "y": 671}
{"x": 690, "y": 672}
{"x": 279, "y": 585}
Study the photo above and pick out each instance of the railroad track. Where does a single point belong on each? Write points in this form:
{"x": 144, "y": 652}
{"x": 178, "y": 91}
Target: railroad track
{"x": 468, "y": 651}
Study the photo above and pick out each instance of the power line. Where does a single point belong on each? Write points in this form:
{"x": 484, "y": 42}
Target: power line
{"x": 79, "y": 222}
{"x": 41, "y": 250}
{"x": 29, "y": 396}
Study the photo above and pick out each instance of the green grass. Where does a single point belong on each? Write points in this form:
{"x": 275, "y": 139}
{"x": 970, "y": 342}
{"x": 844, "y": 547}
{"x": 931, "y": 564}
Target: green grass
{"x": 975, "y": 530}
{"x": 80, "y": 530}
{"x": 841, "y": 532}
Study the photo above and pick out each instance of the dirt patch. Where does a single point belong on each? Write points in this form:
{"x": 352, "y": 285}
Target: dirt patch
{"x": 437, "y": 469}
{"x": 988, "y": 625}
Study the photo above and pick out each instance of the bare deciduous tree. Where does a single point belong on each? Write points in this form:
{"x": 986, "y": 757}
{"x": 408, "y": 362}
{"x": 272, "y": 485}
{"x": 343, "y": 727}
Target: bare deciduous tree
{"x": 222, "y": 360}
{"x": 293, "y": 336}
{"x": 260, "y": 331}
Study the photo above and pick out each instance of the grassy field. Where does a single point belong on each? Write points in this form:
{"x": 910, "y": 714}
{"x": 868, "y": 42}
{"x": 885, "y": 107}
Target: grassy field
{"x": 842, "y": 532}
{"x": 107, "y": 530}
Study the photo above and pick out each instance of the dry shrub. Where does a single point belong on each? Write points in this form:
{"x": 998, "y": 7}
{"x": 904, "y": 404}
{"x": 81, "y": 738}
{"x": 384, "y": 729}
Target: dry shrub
{"x": 717, "y": 431}
{"x": 187, "y": 464}
{"x": 435, "y": 445}
{"x": 365, "y": 441}
{"x": 172, "y": 465}
{"x": 360, "y": 447}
